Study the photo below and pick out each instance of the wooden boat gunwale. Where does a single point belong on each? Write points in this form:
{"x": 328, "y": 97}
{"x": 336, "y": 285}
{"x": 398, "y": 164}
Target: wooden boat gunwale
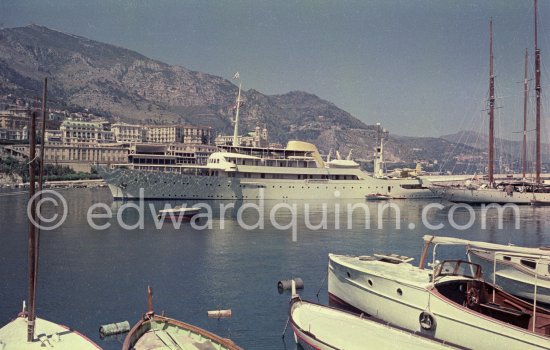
{"x": 158, "y": 318}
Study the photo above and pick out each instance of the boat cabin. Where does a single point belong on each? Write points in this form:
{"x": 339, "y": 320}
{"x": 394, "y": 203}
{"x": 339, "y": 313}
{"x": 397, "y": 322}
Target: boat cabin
{"x": 461, "y": 283}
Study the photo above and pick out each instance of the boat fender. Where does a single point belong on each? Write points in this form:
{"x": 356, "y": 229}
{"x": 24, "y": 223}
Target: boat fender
{"x": 427, "y": 321}
{"x": 114, "y": 328}
{"x": 219, "y": 313}
{"x": 283, "y": 285}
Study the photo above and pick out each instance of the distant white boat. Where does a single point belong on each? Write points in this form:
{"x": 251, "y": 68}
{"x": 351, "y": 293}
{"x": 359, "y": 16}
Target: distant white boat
{"x": 186, "y": 213}
{"x": 325, "y": 328}
{"x": 377, "y": 197}
{"x": 518, "y": 192}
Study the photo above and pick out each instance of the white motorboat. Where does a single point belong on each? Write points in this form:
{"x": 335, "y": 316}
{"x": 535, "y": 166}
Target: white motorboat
{"x": 325, "y": 328}
{"x": 451, "y": 302}
{"x": 178, "y": 211}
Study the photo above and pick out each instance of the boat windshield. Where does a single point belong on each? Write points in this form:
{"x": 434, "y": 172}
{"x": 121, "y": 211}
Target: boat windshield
{"x": 458, "y": 268}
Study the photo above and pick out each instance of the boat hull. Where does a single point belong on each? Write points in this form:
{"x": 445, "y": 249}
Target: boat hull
{"x": 403, "y": 304}
{"x": 133, "y": 184}
{"x": 320, "y": 327}
{"x": 47, "y": 335}
{"x": 488, "y": 195}
{"x": 159, "y": 332}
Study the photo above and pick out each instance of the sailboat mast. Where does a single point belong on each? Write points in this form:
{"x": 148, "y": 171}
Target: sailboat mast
{"x": 525, "y": 96}
{"x": 537, "y": 91}
{"x": 32, "y": 231}
{"x": 491, "y": 106}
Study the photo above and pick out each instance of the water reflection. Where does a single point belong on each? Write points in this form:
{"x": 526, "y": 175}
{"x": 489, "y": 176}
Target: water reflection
{"x": 89, "y": 277}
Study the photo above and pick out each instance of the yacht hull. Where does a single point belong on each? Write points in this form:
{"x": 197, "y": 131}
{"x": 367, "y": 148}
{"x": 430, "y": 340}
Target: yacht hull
{"x": 133, "y": 184}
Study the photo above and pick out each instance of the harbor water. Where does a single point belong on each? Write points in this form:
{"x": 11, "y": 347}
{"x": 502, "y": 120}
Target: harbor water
{"x": 90, "y": 275}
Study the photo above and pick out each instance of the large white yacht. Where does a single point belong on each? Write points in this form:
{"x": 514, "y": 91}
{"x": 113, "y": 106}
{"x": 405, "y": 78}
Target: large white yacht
{"x": 235, "y": 172}
{"x": 246, "y": 172}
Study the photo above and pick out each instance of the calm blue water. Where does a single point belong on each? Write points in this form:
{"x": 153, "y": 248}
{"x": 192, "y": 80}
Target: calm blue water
{"x": 89, "y": 277}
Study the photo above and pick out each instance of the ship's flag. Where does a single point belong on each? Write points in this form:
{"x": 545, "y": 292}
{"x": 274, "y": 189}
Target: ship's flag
{"x": 236, "y": 76}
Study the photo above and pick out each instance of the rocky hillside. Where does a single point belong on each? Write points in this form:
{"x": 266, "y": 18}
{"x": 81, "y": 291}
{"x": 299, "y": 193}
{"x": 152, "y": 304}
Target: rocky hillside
{"x": 125, "y": 85}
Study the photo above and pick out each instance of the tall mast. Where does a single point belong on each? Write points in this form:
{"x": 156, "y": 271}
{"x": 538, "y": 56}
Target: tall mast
{"x": 236, "y": 130}
{"x": 491, "y": 106}
{"x": 32, "y": 231}
{"x": 537, "y": 91}
{"x": 525, "y": 96}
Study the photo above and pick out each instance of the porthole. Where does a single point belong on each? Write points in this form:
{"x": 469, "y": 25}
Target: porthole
{"x": 399, "y": 291}
{"x": 369, "y": 281}
{"x": 349, "y": 275}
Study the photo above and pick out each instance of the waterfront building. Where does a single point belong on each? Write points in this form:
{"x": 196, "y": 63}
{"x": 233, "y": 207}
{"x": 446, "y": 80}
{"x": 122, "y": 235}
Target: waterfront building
{"x": 79, "y": 157}
{"x": 77, "y": 131}
{"x": 14, "y": 124}
{"x": 177, "y": 133}
{"x": 256, "y": 138}
{"x": 128, "y": 133}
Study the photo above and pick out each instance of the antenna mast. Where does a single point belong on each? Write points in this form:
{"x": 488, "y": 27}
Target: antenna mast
{"x": 491, "y": 106}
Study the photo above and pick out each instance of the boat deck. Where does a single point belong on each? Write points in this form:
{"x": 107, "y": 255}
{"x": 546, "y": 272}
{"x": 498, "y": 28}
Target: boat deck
{"x": 47, "y": 335}
{"x": 406, "y": 273}
{"x": 163, "y": 336}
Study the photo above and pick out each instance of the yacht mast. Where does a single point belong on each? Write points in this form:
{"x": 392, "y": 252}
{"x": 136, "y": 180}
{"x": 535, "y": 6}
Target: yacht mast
{"x": 538, "y": 91}
{"x": 491, "y": 106}
{"x": 525, "y": 96}
{"x": 236, "y": 130}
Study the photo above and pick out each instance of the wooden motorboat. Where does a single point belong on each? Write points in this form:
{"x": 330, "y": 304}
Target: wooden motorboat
{"x": 452, "y": 302}
{"x": 159, "y": 332}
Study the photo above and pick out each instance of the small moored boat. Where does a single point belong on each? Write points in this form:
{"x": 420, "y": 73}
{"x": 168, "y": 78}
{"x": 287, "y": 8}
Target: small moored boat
{"x": 176, "y": 212}
{"x": 325, "y": 328}
{"x": 377, "y": 197}
{"x": 155, "y": 332}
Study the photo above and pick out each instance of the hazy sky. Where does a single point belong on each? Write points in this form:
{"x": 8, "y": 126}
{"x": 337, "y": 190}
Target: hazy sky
{"x": 417, "y": 66}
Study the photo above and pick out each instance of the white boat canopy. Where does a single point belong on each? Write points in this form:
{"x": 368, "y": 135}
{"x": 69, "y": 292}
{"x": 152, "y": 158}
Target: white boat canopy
{"x": 483, "y": 245}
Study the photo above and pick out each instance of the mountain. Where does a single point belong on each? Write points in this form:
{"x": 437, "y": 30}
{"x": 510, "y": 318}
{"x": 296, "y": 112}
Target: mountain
{"x": 124, "y": 85}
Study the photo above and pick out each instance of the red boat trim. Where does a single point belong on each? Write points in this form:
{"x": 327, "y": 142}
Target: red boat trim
{"x": 297, "y": 330}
